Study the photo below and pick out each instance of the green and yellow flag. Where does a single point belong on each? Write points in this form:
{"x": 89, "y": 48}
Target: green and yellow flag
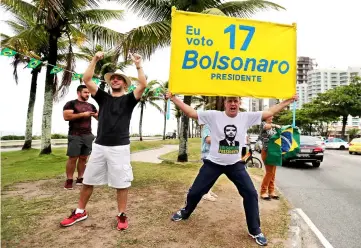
{"x": 76, "y": 76}
{"x": 33, "y": 63}
{"x": 283, "y": 145}
{"x": 8, "y": 52}
{"x": 56, "y": 70}
{"x": 131, "y": 88}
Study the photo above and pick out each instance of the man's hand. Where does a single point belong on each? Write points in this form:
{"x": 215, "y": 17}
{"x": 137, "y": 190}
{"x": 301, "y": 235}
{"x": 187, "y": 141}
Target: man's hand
{"x": 98, "y": 56}
{"x": 88, "y": 114}
{"x": 168, "y": 95}
{"x": 137, "y": 59}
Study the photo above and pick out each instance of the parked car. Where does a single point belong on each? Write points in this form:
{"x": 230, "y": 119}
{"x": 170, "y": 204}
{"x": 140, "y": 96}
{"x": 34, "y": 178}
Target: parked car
{"x": 336, "y": 143}
{"x": 321, "y": 142}
{"x": 355, "y": 146}
{"x": 310, "y": 151}
{"x": 170, "y": 135}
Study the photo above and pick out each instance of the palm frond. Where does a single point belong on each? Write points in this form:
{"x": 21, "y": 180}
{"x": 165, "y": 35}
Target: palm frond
{"x": 151, "y": 10}
{"x": 19, "y": 7}
{"x": 213, "y": 11}
{"x": 97, "y": 16}
{"x": 146, "y": 39}
{"x": 155, "y": 105}
{"x": 101, "y": 34}
{"x": 245, "y": 9}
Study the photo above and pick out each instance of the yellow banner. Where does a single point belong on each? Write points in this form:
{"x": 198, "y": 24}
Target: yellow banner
{"x": 215, "y": 55}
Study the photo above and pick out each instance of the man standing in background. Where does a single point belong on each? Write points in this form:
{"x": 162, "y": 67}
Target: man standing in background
{"x": 80, "y": 138}
{"x": 206, "y": 144}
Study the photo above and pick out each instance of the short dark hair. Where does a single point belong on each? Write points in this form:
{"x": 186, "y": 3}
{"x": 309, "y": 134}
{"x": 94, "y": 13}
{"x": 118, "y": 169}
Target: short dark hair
{"x": 229, "y": 126}
{"x": 80, "y": 88}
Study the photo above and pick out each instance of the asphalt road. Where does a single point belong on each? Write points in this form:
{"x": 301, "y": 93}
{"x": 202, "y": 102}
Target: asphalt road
{"x": 330, "y": 195}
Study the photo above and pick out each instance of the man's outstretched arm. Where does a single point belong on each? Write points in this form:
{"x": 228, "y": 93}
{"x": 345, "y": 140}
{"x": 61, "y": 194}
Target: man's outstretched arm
{"x": 277, "y": 108}
{"x": 185, "y": 108}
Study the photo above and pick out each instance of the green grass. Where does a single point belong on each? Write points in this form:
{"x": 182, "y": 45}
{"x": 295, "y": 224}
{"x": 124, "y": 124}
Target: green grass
{"x": 21, "y": 217}
{"x": 194, "y": 152}
{"x": 22, "y": 166}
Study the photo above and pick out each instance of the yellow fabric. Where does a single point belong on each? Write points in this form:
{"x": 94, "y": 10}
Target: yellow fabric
{"x": 204, "y": 63}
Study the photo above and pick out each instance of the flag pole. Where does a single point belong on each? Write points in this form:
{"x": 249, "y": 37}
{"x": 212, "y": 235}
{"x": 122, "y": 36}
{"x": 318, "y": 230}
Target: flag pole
{"x": 294, "y": 115}
{"x": 168, "y": 109}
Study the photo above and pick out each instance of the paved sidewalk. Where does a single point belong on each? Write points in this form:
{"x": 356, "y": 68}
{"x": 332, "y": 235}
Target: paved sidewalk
{"x": 151, "y": 156}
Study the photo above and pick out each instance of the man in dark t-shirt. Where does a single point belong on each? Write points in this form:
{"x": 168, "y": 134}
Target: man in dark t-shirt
{"x": 80, "y": 138}
{"x": 109, "y": 162}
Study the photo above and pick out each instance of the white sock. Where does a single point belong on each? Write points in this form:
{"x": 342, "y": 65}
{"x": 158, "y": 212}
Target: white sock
{"x": 79, "y": 211}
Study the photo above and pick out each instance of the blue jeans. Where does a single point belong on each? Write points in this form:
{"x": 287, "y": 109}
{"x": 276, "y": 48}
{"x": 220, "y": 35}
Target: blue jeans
{"x": 208, "y": 175}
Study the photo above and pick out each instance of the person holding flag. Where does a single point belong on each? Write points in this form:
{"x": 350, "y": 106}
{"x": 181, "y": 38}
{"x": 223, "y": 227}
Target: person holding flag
{"x": 268, "y": 129}
{"x": 228, "y": 131}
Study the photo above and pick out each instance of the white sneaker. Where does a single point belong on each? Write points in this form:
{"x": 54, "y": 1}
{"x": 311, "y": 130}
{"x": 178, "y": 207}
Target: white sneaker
{"x": 208, "y": 197}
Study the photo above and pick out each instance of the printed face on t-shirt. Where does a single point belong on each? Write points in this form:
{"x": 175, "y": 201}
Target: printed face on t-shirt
{"x": 230, "y": 131}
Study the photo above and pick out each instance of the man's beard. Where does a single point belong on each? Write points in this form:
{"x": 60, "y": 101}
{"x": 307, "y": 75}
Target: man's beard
{"x": 84, "y": 99}
{"x": 117, "y": 90}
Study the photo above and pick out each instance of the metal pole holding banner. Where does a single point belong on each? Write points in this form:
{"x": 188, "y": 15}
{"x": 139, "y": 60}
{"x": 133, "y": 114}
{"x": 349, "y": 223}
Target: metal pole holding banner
{"x": 294, "y": 114}
{"x": 168, "y": 109}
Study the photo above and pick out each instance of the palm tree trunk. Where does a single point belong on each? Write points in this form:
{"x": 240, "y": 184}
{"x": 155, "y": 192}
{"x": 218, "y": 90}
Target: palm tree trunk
{"x": 344, "y": 122}
{"x": 29, "y": 120}
{"x": 165, "y": 119}
{"x": 49, "y": 94}
{"x": 219, "y": 103}
{"x": 178, "y": 127}
{"x": 183, "y": 143}
{"x": 141, "y": 121}
{"x": 189, "y": 128}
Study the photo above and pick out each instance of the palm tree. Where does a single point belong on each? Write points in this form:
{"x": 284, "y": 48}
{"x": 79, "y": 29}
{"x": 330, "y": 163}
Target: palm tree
{"x": 177, "y": 114}
{"x": 148, "y": 38}
{"x": 149, "y": 96}
{"x": 69, "y": 19}
{"x": 34, "y": 45}
{"x": 163, "y": 89}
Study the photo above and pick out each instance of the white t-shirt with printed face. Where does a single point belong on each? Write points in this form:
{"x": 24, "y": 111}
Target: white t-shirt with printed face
{"x": 228, "y": 134}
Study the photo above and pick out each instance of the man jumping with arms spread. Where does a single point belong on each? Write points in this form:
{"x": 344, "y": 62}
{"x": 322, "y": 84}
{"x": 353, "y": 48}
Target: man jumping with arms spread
{"x": 109, "y": 162}
{"x": 228, "y": 131}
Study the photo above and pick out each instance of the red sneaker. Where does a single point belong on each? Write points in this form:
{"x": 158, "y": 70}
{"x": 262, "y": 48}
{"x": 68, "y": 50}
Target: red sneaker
{"x": 68, "y": 184}
{"x": 74, "y": 218}
{"x": 122, "y": 222}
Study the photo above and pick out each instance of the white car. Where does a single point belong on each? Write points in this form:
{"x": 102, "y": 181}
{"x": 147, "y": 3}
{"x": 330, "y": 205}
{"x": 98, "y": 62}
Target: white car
{"x": 320, "y": 142}
{"x": 336, "y": 143}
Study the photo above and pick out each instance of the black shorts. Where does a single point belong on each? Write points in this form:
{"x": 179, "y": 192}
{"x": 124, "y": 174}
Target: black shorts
{"x": 244, "y": 151}
{"x": 80, "y": 145}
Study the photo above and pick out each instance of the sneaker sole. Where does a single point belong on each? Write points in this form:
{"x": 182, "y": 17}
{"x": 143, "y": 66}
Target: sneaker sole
{"x": 256, "y": 240}
{"x": 68, "y": 188}
{"x": 122, "y": 229}
{"x": 78, "y": 220}
{"x": 176, "y": 220}
{"x": 79, "y": 184}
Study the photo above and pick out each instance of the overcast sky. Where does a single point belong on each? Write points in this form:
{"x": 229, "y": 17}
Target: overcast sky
{"x": 327, "y": 30}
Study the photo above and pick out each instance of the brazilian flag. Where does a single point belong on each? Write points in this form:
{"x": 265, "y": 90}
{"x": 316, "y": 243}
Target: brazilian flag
{"x": 33, "y": 63}
{"x": 283, "y": 145}
{"x": 56, "y": 70}
{"x": 131, "y": 88}
{"x": 8, "y": 52}
{"x": 76, "y": 76}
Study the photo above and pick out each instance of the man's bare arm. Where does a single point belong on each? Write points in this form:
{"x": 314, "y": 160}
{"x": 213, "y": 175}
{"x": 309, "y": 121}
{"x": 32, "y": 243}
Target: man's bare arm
{"x": 89, "y": 73}
{"x": 277, "y": 108}
{"x": 185, "y": 108}
{"x": 138, "y": 92}
{"x": 69, "y": 115}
